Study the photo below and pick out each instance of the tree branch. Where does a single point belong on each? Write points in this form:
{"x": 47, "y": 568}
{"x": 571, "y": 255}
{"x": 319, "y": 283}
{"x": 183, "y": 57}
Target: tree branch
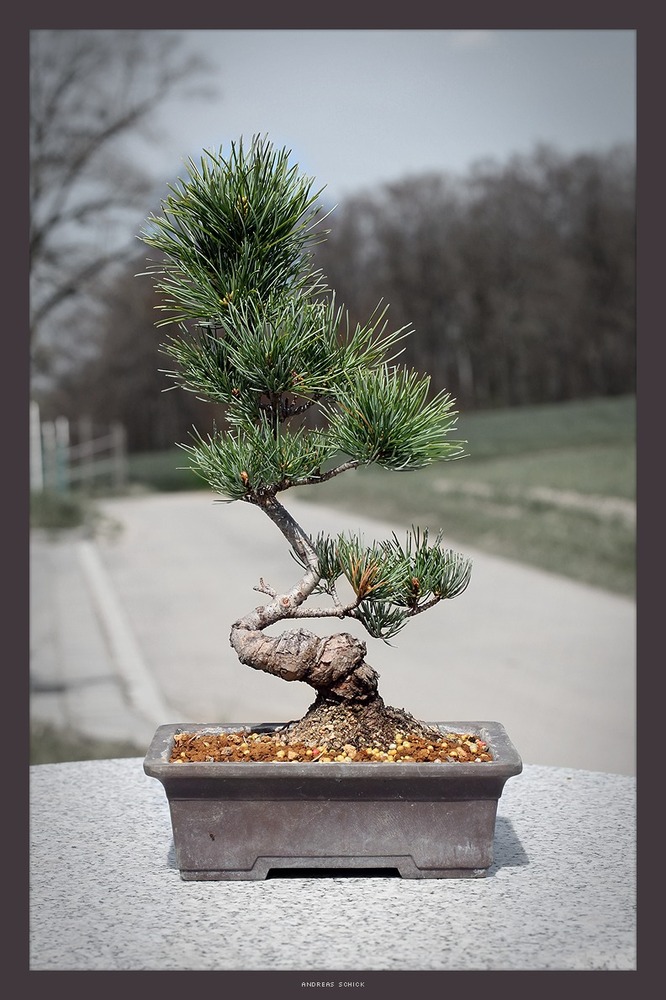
{"x": 323, "y": 477}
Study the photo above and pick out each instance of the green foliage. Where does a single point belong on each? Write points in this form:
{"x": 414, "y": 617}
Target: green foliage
{"x": 270, "y": 343}
{"x": 384, "y": 416}
{"x": 234, "y": 229}
{"x": 425, "y": 571}
{"x": 254, "y": 462}
{"x": 262, "y": 352}
{"x": 392, "y": 581}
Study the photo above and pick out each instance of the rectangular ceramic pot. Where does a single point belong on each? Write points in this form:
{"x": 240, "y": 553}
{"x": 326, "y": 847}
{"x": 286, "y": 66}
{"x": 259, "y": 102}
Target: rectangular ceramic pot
{"x": 251, "y": 820}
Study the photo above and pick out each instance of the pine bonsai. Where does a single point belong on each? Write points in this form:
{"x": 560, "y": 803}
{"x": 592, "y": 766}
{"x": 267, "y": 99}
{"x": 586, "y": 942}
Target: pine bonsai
{"x": 305, "y": 398}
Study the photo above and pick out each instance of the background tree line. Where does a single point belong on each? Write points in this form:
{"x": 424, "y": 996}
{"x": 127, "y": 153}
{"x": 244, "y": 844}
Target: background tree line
{"x": 519, "y": 282}
{"x": 518, "y": 279}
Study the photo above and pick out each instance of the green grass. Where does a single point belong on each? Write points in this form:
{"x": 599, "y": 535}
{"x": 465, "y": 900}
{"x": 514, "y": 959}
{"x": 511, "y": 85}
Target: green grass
{"x": 50, "y": 745}
{"x": 487, "y": 499}
{"x": 55, "y": 511}
{"x": 164, "y": 471}
{"x": 532, "y": 429}
{"x": 506, "y": 497}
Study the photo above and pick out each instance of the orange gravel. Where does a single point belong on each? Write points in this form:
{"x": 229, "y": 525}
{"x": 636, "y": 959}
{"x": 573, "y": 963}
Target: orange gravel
{"x": 247, "y": 746}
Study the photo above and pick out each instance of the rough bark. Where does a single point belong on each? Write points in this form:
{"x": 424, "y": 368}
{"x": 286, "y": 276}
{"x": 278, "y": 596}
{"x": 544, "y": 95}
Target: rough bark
{"x": 334, "y": 666}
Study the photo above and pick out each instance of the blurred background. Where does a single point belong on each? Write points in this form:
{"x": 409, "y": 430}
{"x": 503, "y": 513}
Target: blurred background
{"x": 482, "y": 183}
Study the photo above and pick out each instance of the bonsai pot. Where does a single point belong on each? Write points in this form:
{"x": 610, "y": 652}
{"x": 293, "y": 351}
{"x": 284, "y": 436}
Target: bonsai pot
{"x": 254, "y": 820}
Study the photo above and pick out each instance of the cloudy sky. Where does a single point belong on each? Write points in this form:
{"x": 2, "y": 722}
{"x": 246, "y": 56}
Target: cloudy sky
{"x": 364, "y": 106}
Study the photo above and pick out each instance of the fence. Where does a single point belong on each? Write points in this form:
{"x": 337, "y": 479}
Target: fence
{"x": 65, "y": 456}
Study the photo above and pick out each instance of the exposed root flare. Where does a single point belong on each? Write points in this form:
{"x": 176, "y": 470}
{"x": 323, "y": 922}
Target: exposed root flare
{"x": 342, "y": 724}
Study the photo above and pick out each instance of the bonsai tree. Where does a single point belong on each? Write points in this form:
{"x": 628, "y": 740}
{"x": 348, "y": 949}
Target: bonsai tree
{"x": 305, "y": 398}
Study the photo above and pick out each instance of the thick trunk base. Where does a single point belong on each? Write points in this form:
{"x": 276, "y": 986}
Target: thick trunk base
{"x": 348, "y": 709}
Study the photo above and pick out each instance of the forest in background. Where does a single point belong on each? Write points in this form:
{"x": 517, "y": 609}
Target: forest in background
{"x": 518, "y": 278}
{"x": 518, "y": 282}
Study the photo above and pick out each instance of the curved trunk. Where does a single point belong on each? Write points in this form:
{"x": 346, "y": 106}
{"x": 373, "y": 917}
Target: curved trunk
{"x": 348, "y": 708}
{"x": 335, "y": 665}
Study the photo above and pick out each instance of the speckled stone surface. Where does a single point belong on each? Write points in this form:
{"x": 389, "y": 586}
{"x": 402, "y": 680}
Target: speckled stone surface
{"x": 105, "y": 893}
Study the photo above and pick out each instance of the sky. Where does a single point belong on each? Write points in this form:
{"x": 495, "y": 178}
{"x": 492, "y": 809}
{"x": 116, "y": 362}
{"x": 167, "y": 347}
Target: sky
{"x": 363, "y": 107}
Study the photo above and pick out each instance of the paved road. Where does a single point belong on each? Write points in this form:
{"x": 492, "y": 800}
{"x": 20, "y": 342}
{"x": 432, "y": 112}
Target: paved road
{"x": 130, "y": 629}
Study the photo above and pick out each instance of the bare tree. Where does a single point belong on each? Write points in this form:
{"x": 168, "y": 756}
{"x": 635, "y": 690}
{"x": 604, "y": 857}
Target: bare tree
{"x": 89, "y": 91}
{"x": 124, "y": 380}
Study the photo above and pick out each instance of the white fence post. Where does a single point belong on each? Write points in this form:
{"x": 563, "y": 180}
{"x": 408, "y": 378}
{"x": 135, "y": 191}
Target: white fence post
{"x": 50, "y": 460}
{"x": 36, "y": 458}
{"x": 87, "y": 448}
{"x": 62, "y": 453}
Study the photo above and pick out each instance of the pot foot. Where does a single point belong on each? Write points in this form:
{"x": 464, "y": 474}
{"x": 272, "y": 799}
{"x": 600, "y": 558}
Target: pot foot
{"x": 332, "y": 867}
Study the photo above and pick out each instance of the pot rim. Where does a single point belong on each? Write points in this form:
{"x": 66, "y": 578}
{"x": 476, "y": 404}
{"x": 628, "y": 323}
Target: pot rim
{"x": 505, "y": 763}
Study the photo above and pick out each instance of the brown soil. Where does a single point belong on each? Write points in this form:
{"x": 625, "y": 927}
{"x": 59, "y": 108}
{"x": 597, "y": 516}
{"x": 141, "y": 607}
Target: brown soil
{"x": 338, "y": 724}
{"x": 247, "y": 745}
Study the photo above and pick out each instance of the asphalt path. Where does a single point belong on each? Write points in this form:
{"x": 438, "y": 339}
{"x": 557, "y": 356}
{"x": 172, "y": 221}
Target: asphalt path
{"x": 130, "y": 630}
